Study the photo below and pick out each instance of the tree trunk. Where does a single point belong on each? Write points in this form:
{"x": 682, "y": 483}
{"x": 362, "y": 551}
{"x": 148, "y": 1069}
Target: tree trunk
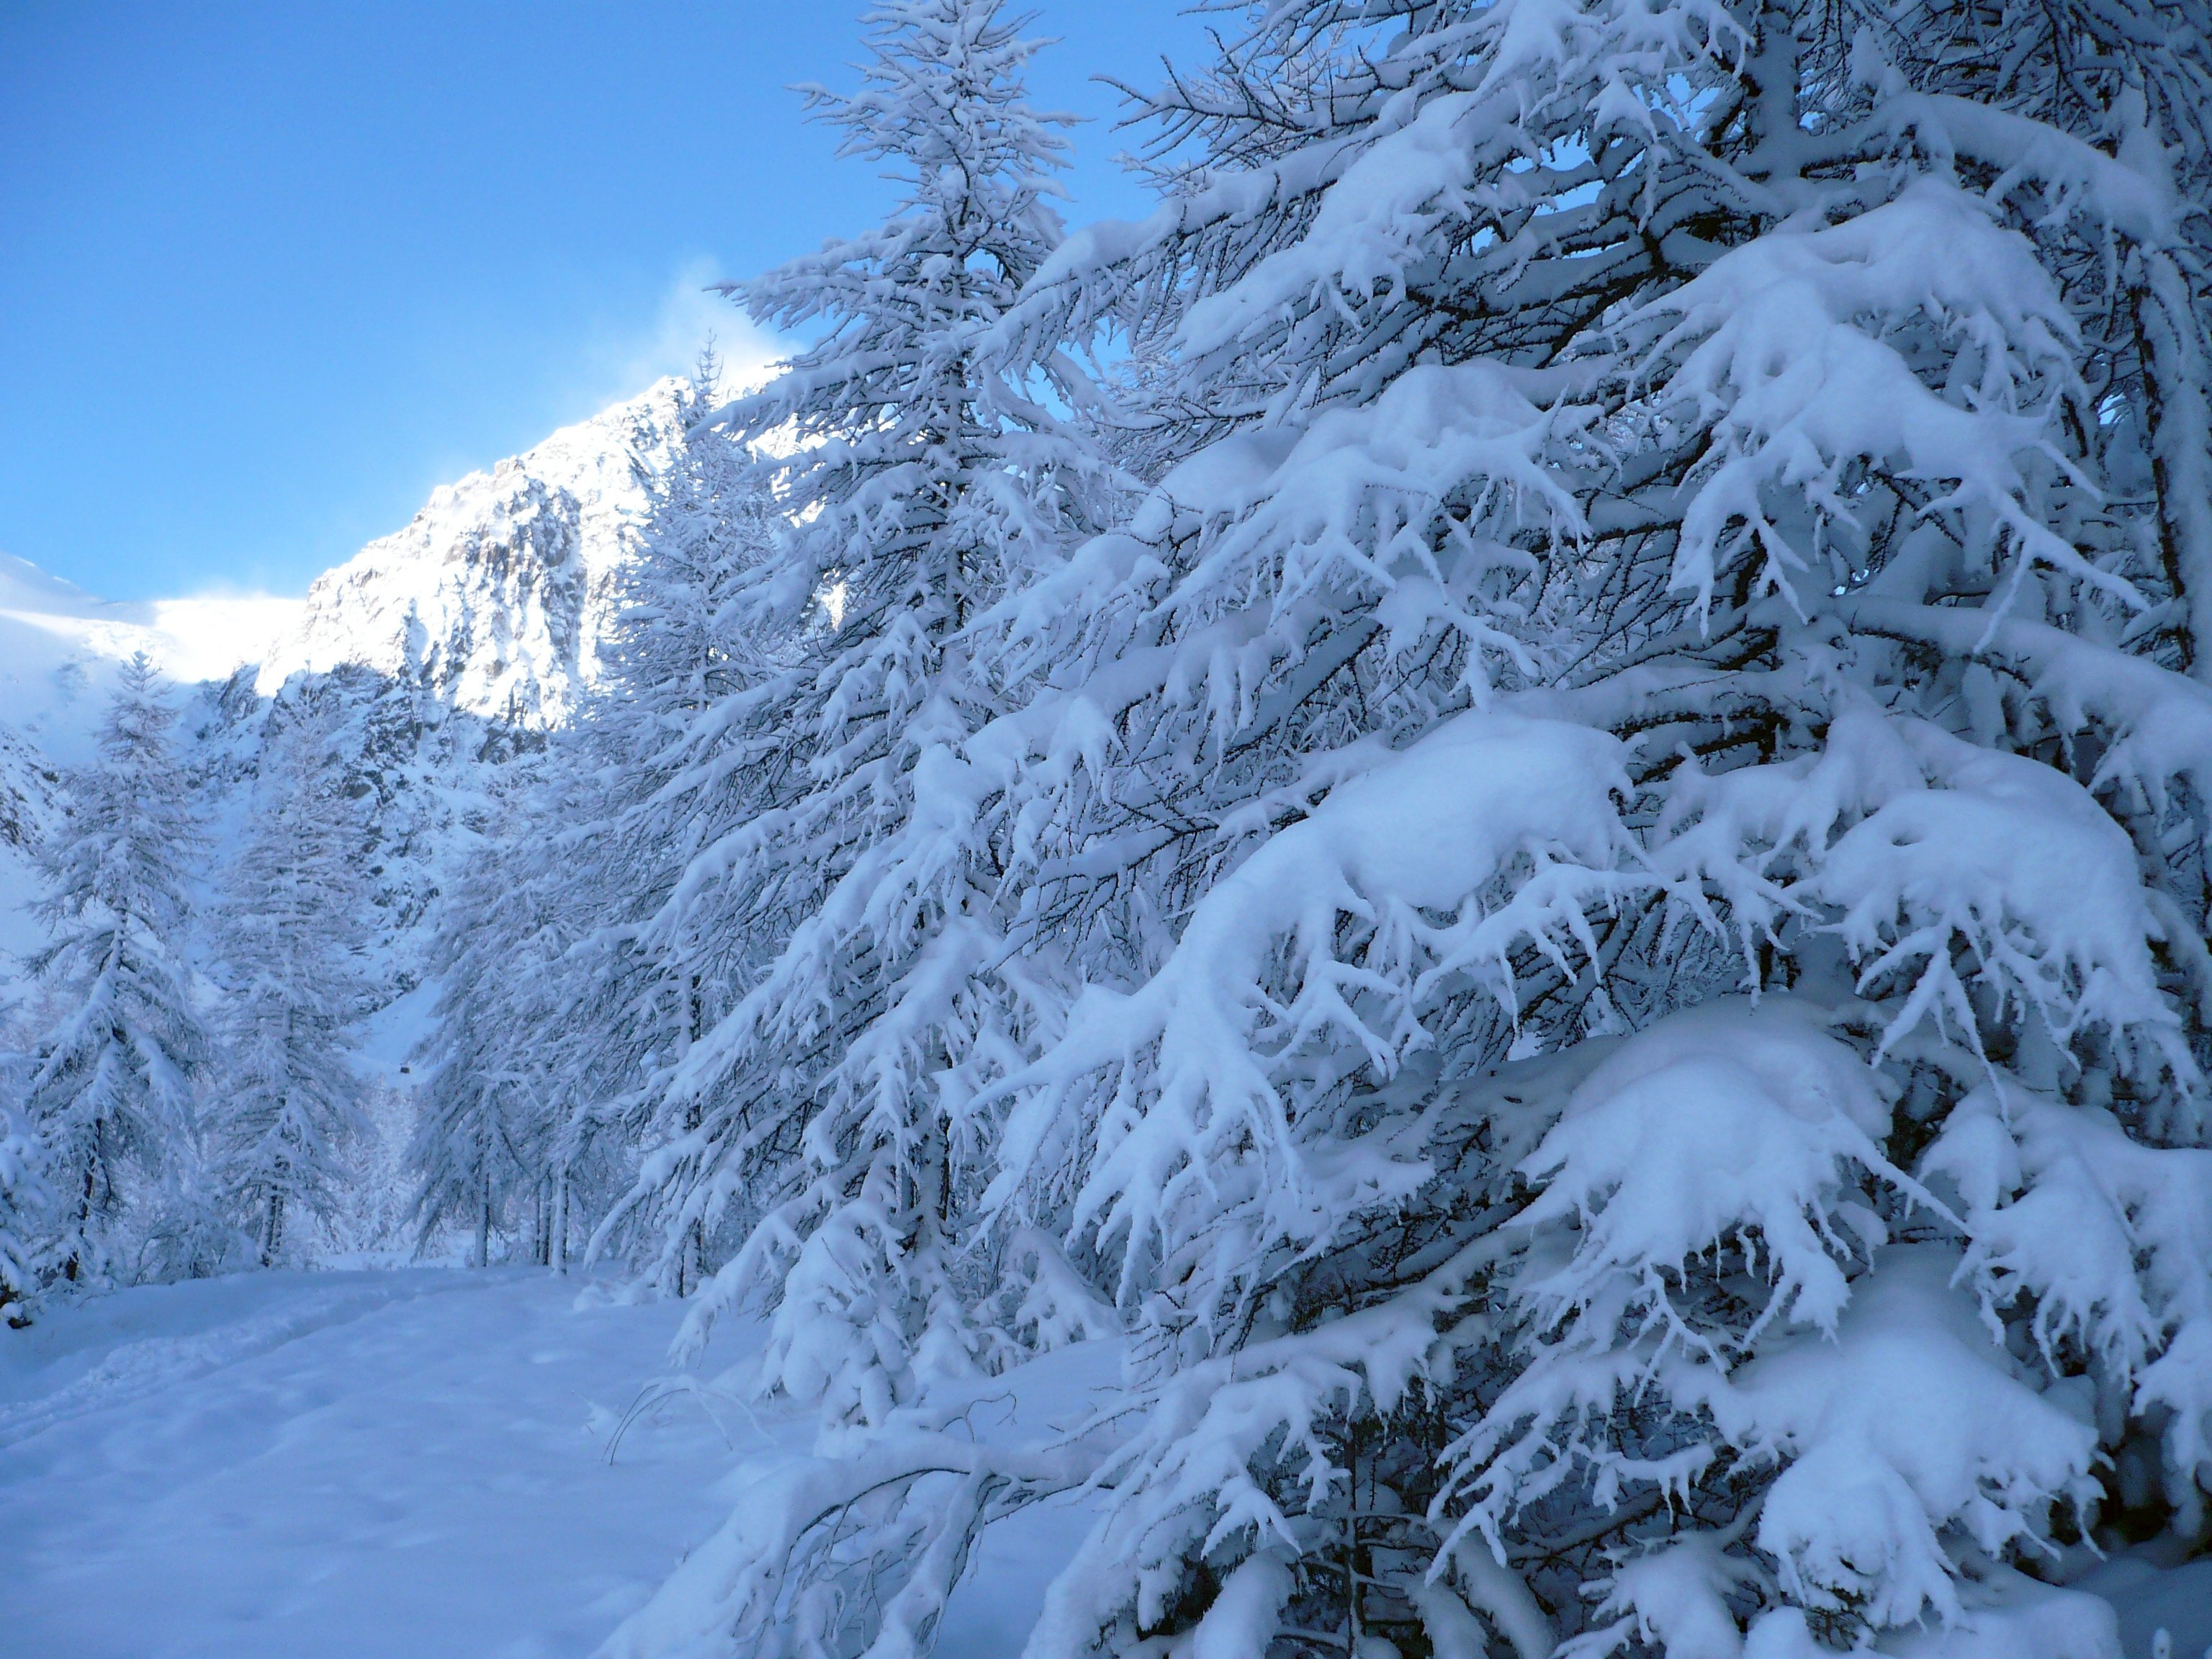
{"x": 688, "y": 1262}
{"x": 560, "y": 1242}
{"x": 73, "y": 1266}
{"x": 484, "y": 1223}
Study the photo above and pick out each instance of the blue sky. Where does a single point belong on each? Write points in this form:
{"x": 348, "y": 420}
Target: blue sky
{"x": 269, "y": 272}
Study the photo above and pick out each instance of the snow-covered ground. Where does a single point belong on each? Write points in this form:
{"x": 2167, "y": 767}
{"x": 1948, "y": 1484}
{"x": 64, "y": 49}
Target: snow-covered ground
{"x": 383, "y": 1464}
{"x": 2178, "y": 1601}
{"x": 310, "y": 1466}
{"x": 412, "y": 1463}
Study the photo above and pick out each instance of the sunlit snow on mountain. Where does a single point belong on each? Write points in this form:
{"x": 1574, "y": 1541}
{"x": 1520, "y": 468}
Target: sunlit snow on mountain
{"x": 490, "y": 605}
{"x": 495, "y": 597}
{"x": 498, "y": 592}
{"x": 58, "y": 642}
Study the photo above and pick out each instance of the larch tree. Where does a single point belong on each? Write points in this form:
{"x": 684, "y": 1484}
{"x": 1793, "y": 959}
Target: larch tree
{"x": 923, "y": 475}
{"x": 563, "y": 1011}
{"x": 112, "y": 1086}
{"x": 484, "y": 1128}
{"x": 291, "y": 928}
{"x": 665, "y": 779}
{"x": 1611, "y": 863}
{"x": 24, "y": 1205}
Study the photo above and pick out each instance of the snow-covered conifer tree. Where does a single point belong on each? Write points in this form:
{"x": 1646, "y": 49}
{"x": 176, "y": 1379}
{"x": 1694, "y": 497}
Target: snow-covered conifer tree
{"x": 291, "y": 924}
{"x": 111, "y": 1089}
{"x": 1636, "y": 863}
{"x": 23, "y": 1204}
{"x": 483, "y": 1133}
{"x": 923, "y": 476}
{"x": 560, "y": 1020}
{"x": 649, "y": 778}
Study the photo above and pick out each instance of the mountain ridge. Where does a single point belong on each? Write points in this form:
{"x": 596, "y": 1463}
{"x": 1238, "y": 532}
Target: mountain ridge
{"x": 434, "y": 657}
{"x": 496, "y": 595}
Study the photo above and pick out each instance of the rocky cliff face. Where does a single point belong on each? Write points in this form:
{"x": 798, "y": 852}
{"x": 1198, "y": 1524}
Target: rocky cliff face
{"x": 497, "y": 597}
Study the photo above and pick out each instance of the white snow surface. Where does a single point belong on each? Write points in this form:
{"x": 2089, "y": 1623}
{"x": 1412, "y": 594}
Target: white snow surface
{"x": 402, "y": 1463}
{"x": 58, "y": 646}
{"x": 412, "y": 1463}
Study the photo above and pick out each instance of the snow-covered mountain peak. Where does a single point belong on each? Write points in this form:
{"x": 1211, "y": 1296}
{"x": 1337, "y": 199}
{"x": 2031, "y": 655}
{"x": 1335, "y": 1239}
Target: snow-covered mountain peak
{"x": 497, "y": 595}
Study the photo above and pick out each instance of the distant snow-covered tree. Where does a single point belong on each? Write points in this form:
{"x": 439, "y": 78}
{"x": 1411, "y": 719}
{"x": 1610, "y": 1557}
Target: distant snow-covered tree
{"x": 24, "y": 1202}
{"x": 482, "y": 1130}
{"x": 291, "y": 925}
{"x": 559, "y": 1018}
{"x": 112, "y": 1090}
{"x": 650, "y": 778}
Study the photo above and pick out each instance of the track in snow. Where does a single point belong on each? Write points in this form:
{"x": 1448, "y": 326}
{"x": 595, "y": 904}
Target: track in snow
{"x": 397, "y": 1465}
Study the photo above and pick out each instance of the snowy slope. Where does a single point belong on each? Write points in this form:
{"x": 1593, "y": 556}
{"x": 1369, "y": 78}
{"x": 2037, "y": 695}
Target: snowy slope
{"x": 497, "y": 594}
{"x": 58, "y": 645}
{"x": 30, "y": 791}
{"x": 337, "y": 1464}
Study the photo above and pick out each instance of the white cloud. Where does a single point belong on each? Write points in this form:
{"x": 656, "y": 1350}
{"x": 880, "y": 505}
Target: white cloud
{"x": 203, "y": 637}
{"x": 688, "y": 311}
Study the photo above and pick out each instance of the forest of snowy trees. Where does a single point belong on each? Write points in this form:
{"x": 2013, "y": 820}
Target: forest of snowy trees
{"x": 1521, "y": 791}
